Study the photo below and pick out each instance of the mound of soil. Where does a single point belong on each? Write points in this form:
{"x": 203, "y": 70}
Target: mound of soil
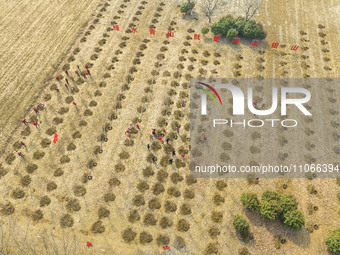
{"x": 188, "y": 194}
{"x": 142, "y": 186}
{"x": 162, "y": 175}
{"x": 76, "y": 135}
{"x": 51, "y": 186}
{"x": 189, "y": 180}
{"x": 179, "y": 243}
{"x": 182, "y": 225}
{"x": 51, "y": 131}
{"x": 218, "y": 199}
{"x": 173, "y": 191}
{"x": 25, "y": 181}
{"x": 114, "y": 182}
{"x": 149, "y": 220}
{"x": 57, "y": 120}
{"x": 145, "y": 237}
{"x": 7, "y": 209}
{"x": 157, "y": 189}
{"x": 58, "y": 172}
{"x": 163, "y": 240}
{"x": 170, "y": 206}
{"x": 133, "y": 216}
{"x": 109, "y": 197}
{"x": 165, "y": 222}
{"x": 69, "y": 99}
{"x": 45, "y": 143}
{"x": 37, "y": 215}
{"x": 82, "y": 123}
{"x": 119, "y": 167}
{"x": 128, "y": 235}
{"x": 10, "y": 158}
{"x": 138, "y": 200}
{"x": 124, "y": 155}
{"x": 3, "y": 171}
{"x": 220, "y": 185}
{"x": 154, "y": 204}
{"x": 216, "y": 217}
{"x": 65, "y": 159}
{"x": 211, "y": 249}
{"x": 18, "y": 193}
{"x": 66, "y": 221}
{"x": 45, "y": 201}
{"x": 30, "y": 168}
{"x": 38, "y": 155}
{"x": 214, "y": 232}
{"x": 147, "y": 172}
{"x": 103, "y": 212}
{"x": 17, "y": 146}
{"x": 176, "y": 178}
{"x": 185, "y": 209}
{"x": 26, "y": 131}
{"x": 88, "y": 112}
{"x": 73, "y": 205}
{"x": 71, "y": 147}
{"x": 79, "y": 190}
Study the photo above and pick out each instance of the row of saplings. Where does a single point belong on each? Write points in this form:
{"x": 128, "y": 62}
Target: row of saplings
{"x": 279, "y": 206}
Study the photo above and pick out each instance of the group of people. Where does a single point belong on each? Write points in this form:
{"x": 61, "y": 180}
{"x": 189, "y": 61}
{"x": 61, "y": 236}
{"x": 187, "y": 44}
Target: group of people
{"x": 35, "y": 109}
{"x": 78, "y": 74}
{"x": 167, "y": 139}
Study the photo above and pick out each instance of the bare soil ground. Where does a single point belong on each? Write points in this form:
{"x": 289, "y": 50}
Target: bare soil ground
{"x": 95, "y": 184}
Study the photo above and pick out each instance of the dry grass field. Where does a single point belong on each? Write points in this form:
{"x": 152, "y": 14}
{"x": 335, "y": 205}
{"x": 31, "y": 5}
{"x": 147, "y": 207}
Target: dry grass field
{"x": 97, "y": 185}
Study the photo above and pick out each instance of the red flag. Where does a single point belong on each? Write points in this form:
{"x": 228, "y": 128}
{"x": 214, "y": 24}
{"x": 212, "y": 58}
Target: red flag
{"x": 55, "y": 138}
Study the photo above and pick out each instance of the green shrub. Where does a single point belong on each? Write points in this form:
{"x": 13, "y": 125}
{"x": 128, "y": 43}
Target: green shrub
{"x": 270, "y": 195}
{"x": 252, "y": 30}
{"x": 333, "y": 241}
{"x": 232, "y": 33}
{"x": 240, "y": 22}
{"x": 205, "y": 30}
{"x": 187, "y": 7}
{"x": 287, "y": 203}
{"x": 293, "y": 219}
{"x": 248, "y": 29}
{"x": 250, "y": 201}
{"x": 270, "y": 210}
{"x": 240, "y": 224}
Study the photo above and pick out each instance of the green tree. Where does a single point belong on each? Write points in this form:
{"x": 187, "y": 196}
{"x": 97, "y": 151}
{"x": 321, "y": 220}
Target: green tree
{"x": 240, "y": 224}
{"x": 187, "y": 7}
{"x": 252, "y": 30}
{"x": 240, "y": 22}
{"x": 250, "y": 201}
{"x": 287, "y": 203}
{"x": 333, "y": 241}
{"x": 217, "y": 28}
{"x": 270, "y": 210}
{"x": 205, "y": 30}
{"x": 232, "y": 33}
{"x": 269, "y": 195}
{"x": 293, "y": 219}
{"x": 222, "y": 26}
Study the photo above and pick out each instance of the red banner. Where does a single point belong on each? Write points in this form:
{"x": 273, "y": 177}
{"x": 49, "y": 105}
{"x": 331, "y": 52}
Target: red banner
{"x": 55, "y": 138}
